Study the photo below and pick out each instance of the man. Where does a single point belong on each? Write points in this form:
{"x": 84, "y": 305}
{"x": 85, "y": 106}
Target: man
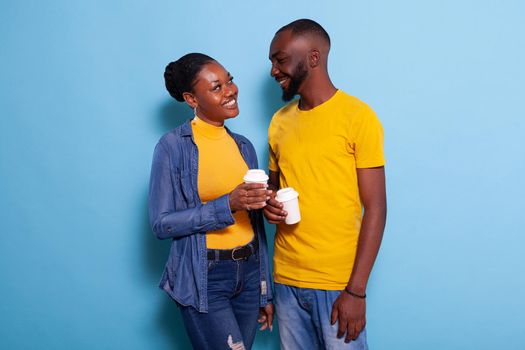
{"x": 328, "y": 146}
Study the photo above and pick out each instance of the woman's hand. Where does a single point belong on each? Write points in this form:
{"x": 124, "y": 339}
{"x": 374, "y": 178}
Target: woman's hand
{"x": 249, "y": 196}
{"x": 266, "y": 317}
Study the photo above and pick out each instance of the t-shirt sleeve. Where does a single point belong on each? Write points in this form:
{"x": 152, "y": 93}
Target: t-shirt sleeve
{"x": 272, "y": 161}
{"x": 273, "y": 164}
{"x": 367, "y": 139}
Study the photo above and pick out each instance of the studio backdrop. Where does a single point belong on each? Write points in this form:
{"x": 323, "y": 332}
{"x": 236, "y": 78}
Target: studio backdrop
{"x": 83, "y": 103}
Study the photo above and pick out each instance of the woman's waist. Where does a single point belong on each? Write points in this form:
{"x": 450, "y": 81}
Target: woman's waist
{"x": 238, "y": 234}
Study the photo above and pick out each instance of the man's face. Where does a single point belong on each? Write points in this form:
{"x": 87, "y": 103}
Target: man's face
{"x": 288, "y": 55}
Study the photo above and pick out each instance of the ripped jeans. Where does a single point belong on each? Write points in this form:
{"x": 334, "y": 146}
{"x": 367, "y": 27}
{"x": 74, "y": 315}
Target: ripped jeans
{"x": 233, "y": 307}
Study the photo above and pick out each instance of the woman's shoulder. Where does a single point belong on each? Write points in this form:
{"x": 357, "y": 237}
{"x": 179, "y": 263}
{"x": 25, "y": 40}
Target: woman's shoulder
{"x": 174, "y": 136}
{"x": 240, "y": 138}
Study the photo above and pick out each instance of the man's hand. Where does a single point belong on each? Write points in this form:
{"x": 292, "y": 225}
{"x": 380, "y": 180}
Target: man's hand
{"x": 350, "y": 312}
{"x": 266, "y": 317}
{"x": 249, "y": 196}
{"x": 274, "y": 212}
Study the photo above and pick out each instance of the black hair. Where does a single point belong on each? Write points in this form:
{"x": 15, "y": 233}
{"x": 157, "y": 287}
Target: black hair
{"x": 179, "y": 75}
{"x": 306, "y": 26}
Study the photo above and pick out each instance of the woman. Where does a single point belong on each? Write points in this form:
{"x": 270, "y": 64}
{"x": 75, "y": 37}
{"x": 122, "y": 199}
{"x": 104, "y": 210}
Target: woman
{"x": 217, "y": 270}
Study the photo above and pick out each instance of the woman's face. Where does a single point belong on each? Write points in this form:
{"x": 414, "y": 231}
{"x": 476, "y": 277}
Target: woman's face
{"x": 215, "y": 94}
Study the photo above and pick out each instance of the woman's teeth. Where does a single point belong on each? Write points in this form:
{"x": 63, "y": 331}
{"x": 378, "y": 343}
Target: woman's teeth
{"x": 230, "y": 104}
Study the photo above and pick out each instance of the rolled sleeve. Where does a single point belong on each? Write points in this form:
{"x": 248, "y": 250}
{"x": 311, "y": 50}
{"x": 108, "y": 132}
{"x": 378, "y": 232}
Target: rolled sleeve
{"x": 222, "y": 211}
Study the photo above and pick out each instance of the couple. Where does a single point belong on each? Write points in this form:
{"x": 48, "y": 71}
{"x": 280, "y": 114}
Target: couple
{"x": 328, "y": 146}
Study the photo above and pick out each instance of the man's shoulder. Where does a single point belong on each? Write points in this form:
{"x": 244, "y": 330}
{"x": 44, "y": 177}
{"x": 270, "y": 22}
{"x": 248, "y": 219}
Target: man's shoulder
{"x": 353, "y": 109}
{"x": 286, "y": 109}
{"x": 352, "y": 102}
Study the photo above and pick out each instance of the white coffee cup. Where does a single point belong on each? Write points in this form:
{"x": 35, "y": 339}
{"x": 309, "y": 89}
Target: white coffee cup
{"x": 257, "y": 176}
{"x": 290, "y": 199}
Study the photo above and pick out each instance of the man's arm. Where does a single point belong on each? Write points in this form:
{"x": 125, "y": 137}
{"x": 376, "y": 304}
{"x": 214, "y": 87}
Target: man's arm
{"x": 273, "y": 211}
{"x": 273, "y": 180}
{"x": 350, "y": 309}
{"x": 373, "y": 195}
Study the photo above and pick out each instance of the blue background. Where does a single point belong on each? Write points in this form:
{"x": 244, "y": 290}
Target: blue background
{"x": 82, "y": 104}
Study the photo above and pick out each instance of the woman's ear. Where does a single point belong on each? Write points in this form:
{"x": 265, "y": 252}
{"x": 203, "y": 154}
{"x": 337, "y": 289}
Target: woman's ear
{"x": 190, "y": 99}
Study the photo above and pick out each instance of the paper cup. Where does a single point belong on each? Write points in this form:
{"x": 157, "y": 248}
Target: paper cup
{"x": 290, "y": 199}
{"x": 257, "y": 176}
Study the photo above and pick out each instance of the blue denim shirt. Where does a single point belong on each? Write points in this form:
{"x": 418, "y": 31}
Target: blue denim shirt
{"x": 176, "y": 212}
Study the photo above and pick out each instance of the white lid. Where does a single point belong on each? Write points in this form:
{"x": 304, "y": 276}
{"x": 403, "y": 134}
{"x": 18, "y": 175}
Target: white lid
{"x": 255, "y": 175}
{"x": 286, "y": 194}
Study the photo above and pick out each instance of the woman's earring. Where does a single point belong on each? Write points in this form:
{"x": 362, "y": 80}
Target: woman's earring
{"x": 195, "y": 110}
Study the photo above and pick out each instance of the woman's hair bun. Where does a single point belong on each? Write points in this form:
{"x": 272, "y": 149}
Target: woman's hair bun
{"x": 180, "y": 74}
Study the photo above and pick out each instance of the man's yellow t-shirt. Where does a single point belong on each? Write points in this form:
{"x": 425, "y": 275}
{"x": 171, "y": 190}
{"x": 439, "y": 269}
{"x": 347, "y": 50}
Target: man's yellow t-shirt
{"x": 317, "y": 152}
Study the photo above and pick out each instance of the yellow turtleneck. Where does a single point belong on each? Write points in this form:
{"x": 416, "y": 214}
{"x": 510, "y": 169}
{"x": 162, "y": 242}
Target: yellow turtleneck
{"x": 221, "y": 169}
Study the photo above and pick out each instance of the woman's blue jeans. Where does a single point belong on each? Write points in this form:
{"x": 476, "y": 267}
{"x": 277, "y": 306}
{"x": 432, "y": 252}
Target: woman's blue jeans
{"x": 233, "y": 307}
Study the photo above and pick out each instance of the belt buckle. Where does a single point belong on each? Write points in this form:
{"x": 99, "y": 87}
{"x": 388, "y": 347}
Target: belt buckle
{"x": 233, "y": 253}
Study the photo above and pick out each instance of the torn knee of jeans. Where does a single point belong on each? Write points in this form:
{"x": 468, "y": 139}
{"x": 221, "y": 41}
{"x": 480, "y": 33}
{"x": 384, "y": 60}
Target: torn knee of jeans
{"x": 235, "y": 346}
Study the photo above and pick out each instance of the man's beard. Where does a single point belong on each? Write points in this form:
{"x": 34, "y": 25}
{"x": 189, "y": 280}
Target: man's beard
{"x": 296, "y": 79}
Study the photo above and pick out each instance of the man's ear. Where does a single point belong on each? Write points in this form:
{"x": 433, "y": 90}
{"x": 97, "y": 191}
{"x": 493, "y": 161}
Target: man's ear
{"x": 190, "y": 99}
{"x": 314, "y": 58}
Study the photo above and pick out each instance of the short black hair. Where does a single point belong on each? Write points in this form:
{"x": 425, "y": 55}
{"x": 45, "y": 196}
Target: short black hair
{"x": 306, "y": 26}
{"x": 180, "y": 75}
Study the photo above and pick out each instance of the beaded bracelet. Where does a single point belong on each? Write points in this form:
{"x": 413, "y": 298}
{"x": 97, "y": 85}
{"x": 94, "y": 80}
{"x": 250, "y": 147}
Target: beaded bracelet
{"x": 354, "y": 294}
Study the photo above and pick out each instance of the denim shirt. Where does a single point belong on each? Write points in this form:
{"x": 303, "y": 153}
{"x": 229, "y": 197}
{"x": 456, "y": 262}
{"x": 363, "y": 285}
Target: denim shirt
{"x": 176, "y": 212}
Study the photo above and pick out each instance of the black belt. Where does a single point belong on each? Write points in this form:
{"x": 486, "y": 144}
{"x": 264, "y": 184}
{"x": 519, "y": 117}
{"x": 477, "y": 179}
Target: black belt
{"x": 235, "y": 254}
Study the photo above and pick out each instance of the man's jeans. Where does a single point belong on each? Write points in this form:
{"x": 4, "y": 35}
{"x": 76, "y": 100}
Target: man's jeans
{"x": 304, "y": 320}
{"x": 233, "y": 306}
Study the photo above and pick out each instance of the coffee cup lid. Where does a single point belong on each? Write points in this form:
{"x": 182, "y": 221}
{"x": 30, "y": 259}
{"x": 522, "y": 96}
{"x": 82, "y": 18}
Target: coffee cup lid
{"x": 286, "y": 194}
{"x": 255, "y": 175}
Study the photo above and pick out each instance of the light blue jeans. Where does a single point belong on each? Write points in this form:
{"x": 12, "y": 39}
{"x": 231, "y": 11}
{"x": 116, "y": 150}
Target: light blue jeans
{"x": 304, "y": 320}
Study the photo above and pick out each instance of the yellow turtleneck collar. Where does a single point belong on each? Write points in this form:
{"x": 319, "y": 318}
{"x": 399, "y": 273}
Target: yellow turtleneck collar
{"x": 208, "y": 130}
